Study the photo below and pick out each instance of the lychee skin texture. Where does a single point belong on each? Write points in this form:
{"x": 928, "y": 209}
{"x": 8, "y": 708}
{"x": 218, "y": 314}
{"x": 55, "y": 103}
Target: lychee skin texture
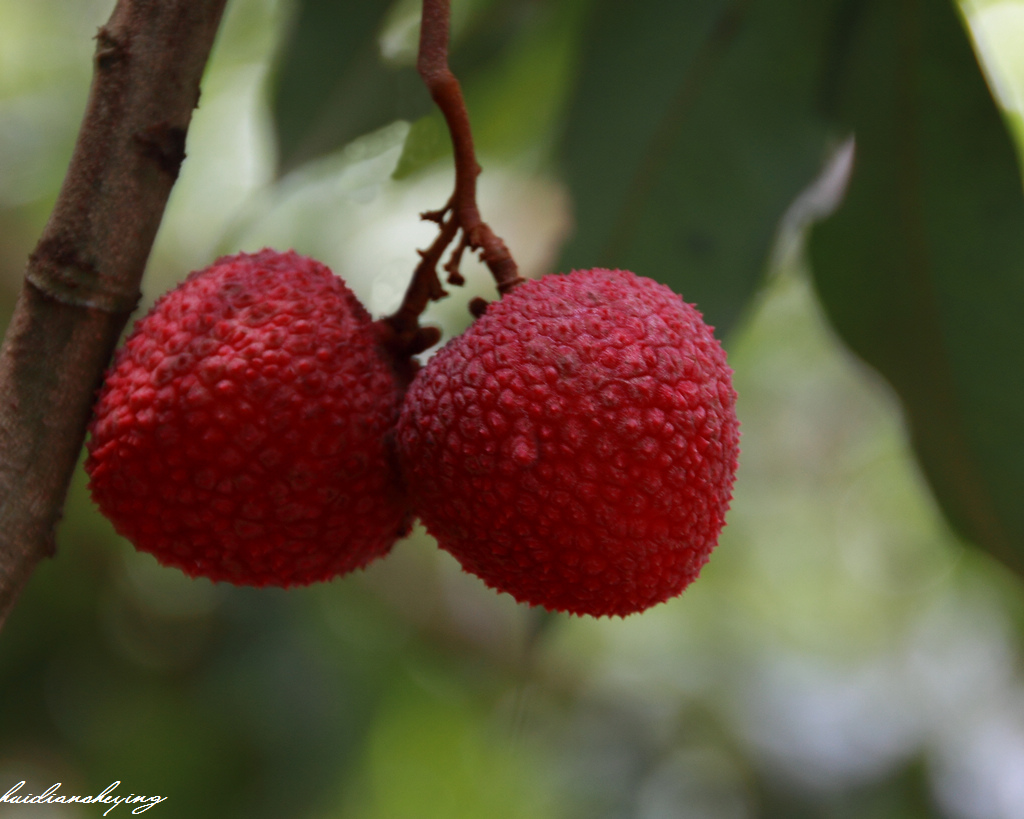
{"x": 245, "y": 430}
{"x": 576, "y": 446}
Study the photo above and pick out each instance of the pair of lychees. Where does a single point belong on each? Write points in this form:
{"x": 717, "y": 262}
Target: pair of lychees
{"x": 575, "y": 447}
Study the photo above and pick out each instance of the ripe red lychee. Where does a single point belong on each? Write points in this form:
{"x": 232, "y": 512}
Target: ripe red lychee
{"x": 245, "y": 429}
{"x": 576, "y": 446}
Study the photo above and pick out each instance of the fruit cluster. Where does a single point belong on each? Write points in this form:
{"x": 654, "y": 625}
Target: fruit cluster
{"x": 575, "y": 447}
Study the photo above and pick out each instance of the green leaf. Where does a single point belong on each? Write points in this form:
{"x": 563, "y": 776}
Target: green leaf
{"x": 331, "y": 84}
{"x": 922, "y": 269}
{"x": 692, "y": 130}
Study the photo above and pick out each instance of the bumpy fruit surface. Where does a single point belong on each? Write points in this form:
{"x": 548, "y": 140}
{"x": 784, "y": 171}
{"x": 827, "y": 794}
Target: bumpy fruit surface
{"x": 245, "y": 430}
{"x": 576, "y": 446}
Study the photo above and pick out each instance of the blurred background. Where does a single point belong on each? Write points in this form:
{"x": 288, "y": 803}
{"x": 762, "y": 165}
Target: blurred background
{"x": 842, "y": 654}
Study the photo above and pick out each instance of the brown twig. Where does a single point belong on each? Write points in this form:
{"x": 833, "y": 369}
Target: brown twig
{"x": 461, "y": 213}
{"x": 82, "y": 280}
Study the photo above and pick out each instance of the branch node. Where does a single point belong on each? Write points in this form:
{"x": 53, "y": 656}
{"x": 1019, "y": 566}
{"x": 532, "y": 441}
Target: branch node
{"x": 58, "y": 270}
{"x": 164, "y": 144}
{"x": 435, "y": 215}
{"x": 109, "y": 50}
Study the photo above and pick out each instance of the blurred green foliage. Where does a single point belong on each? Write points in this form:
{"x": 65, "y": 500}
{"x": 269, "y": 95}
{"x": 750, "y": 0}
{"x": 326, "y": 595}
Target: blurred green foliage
{"x": 843, "y": 654}
{"x": 922, "y": 267}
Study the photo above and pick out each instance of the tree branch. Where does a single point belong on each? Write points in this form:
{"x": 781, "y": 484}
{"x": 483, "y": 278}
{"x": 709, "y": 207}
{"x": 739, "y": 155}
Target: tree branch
{"x": 82, "y": 280}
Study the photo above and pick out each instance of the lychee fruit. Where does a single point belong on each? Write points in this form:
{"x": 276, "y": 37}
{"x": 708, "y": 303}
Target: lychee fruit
{"x": 245, "y": 429}
{"x": 576, "y": 447}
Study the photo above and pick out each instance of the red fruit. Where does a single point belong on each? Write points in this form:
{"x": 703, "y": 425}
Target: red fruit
{"x": 576, "y": 446}
{"x": 244, "y": 430}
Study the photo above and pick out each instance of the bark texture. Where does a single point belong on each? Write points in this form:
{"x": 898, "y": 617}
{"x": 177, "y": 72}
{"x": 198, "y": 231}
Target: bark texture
{"x": 82, "y": 280}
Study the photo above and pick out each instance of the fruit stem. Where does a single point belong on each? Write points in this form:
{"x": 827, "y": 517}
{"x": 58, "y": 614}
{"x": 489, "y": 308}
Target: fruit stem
{"x": 461, "y": 212}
